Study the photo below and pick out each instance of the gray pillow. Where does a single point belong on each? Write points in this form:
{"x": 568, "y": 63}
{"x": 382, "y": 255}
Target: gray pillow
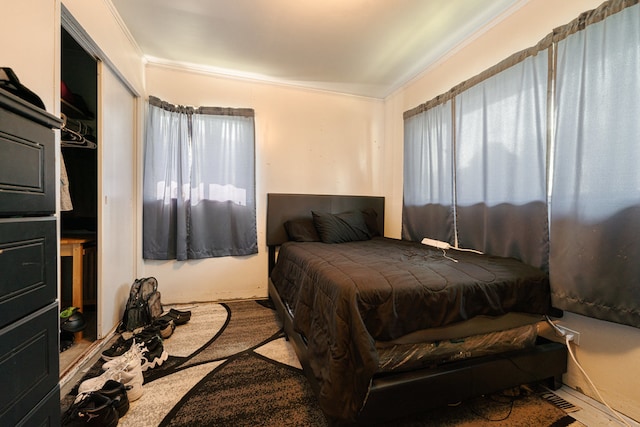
{"x": 301, "y": 230}
{"x": 340, "y": 228}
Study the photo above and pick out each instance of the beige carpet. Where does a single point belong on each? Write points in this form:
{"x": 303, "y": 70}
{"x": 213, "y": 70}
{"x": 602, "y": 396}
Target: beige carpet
{"x": 231, "y": 366}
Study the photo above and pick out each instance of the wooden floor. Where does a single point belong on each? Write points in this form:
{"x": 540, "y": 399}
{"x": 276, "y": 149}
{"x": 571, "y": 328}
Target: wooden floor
{"x": 74, "y": 355}
{"x": 71, "y": 356}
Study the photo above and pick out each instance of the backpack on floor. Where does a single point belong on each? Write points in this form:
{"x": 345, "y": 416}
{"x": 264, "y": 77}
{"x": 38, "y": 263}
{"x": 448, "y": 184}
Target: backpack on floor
{"x": 143, "y": 305}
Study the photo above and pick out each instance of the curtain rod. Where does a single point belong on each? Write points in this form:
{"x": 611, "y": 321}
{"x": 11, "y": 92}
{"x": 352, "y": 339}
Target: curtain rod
{"x": 212, "y": 111}
{"x": 593, "y": 16}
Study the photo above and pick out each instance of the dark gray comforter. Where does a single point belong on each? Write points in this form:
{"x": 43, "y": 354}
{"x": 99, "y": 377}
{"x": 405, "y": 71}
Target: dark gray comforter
{"x": 345, "y": 296}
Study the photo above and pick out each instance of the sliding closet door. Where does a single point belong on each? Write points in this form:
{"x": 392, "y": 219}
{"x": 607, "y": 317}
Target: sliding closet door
{"x": 117, "y": 207}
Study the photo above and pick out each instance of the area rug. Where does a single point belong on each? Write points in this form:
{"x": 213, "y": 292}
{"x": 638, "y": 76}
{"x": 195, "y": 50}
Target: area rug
{"x": 231, "y": 365}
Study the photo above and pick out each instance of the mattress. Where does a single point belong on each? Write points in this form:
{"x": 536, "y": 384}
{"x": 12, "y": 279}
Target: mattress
{"x": 479, "y": 336}
{"x": 404, "y": 357}
{"x": 347, "y": 298}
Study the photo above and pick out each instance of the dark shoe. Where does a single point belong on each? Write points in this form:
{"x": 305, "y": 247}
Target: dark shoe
{"x": 147, "y": 334}
{"x": 92, "y": 410}
{"x": 165, "y": 327}
{"x": 117, "y": 392}
{"x": 66, "y": 340}
{"x": 118, "y": 348}
{"x": 153, "y": 353}
{"x": 147, "y": 331}
{"x": 179, "y": 317}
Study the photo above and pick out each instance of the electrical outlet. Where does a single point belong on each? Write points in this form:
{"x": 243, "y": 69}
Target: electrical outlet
{"x": 566, "y": 331}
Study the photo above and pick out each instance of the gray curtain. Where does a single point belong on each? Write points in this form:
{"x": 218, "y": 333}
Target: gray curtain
{"x": 474, "y": 165}
{"x": 199, "y": 182}
{"x": 501, "y": 153}
{"x": 595, "y": 204}
{"x": 546, "y": 156}
{"x": 428, "y": 208}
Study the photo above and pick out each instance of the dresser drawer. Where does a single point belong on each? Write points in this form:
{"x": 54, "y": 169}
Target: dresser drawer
{"x": 29, "y": 363}
{"x": 27, "y": 164}
{"x": 47, "y": 413}
{"x": 28, "y": 268}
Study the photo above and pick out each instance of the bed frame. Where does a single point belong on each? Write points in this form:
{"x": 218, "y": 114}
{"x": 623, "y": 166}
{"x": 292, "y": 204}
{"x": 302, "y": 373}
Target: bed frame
{"x": 392, "y": 395}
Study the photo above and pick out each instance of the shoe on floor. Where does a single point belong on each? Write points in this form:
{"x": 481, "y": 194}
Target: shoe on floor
{"x": 118, "y": 348}
{"x": 153, "y": 353}
{"x": 92, "y": 410}
{"x": 132, "y": 380}
{"x": 178, "y": 316}
{"x": 128, "y": 360}
{"x": 117, "y": 392}
{"x": 66, "y": 340}
{"x": 165, "y": 327}
{"x": 147, "y": 333}
{"x": 161, "y": 326}
{"x": 114, "y": 390}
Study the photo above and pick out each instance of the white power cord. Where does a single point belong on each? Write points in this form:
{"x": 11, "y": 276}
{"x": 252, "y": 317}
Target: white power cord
{"x": 568, "y": 337}
{"x": 444, "y": 246}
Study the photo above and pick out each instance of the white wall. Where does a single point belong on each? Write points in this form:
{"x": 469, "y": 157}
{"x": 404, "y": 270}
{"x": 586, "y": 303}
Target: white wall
{"x": 98, "y": 19}
{"x": 306, "y": 142}
{"x": 30, "y": 45}
{"x": 609, "y": 352}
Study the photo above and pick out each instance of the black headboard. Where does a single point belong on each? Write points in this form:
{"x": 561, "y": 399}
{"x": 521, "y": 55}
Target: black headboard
{"x": 282, "y": 207}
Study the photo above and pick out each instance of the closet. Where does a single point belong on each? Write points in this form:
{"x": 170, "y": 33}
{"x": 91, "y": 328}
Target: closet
{"x": 98, "y": 146}
{"x": 79, "y": 249}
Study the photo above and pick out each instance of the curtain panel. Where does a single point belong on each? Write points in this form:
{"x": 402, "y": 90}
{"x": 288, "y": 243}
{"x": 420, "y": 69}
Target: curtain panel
{"x": 199, "y": 182}
{"x": 595, "y": 198}
{"x": 474, "y": 166}
{"x": 546, "y": 150}
{"x": 428, "y": 207}
{"x": 500, "y": 150}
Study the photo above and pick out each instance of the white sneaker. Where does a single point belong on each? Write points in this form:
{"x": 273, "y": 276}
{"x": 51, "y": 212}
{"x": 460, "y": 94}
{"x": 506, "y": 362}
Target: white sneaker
{"x": 128, "y": 361}
{"x": 153, "y": 353}
{"x": 132, "y": 381}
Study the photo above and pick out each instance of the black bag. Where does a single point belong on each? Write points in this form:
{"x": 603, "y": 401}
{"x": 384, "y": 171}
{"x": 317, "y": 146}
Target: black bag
{"x": 143, "y": 305}
{"x": 9, "y": 82}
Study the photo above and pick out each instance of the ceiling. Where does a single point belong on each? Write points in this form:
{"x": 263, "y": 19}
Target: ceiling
{"x": 360, "y": 47}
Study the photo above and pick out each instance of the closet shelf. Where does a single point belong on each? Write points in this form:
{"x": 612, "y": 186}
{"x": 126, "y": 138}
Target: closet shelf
{"x": 76, "y": 112}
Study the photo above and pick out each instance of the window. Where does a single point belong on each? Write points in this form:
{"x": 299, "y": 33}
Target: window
{"x": 595, "y": 198}
{"x": 474, "y": 168}
{"x": 523, "y": 183}
{"x": 199, "y": 182}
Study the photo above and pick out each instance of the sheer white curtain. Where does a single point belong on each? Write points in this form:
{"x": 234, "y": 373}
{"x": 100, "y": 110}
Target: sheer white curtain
{"x": 595, "y": 198}
{"x": 501, "y": 151}
{"x": 428, "y": 208}
{"x": 199, "y": 182}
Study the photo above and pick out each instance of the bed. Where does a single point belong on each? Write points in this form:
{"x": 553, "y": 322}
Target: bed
{"x": 385, "y": 328}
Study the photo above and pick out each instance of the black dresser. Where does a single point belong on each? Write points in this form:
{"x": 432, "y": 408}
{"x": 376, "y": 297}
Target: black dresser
{"x": 29, "y": 313}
